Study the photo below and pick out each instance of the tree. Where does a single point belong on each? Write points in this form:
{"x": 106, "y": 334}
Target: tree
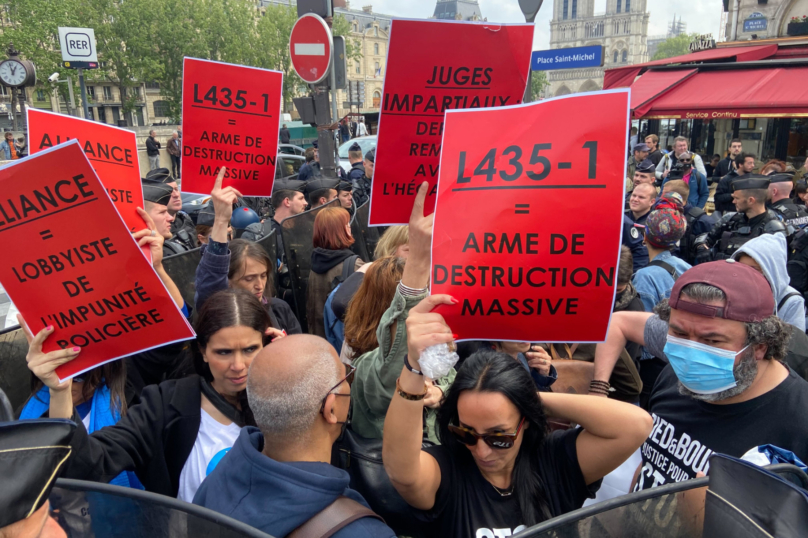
{"x": 674, "y": 46}
{"x": 538, "y": 81}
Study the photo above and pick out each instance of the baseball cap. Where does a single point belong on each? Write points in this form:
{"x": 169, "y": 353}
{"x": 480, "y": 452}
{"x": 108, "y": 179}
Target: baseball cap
{"x": 642, "y": 147}
{"x": 749, "y": 296}
{"x": 646, "y": 167}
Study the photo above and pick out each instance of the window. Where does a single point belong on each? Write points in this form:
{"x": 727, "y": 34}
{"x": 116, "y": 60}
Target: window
{"x": 102, "y": 116}
{"x": 619, "y": 2}
{"x": 116, "y": 115}
{"x": 615, "y": 57}
{"x": 628, "y": 6}
{"x": 161, "y": 109}
{"x": 108, "y": 93}
{"x": 91, "y": 92}
{"x": 376, "y": 31}
{"x": 376, "y": 49}
{"x": 153, "y": 85}
{"x": 377, "y": 70}
{"x": 358, "y": 68}
{"x": 40, "y": 95}
{"x": 565, "y": 10}
{"x": 135, "y": 92}
{"x": 377, "y": 99}
{"x": 625, "y": 56}
{"x": 574, "y": 9}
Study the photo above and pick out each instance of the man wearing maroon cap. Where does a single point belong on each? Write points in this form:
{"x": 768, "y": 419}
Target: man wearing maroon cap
{"x": 726, "y": 389}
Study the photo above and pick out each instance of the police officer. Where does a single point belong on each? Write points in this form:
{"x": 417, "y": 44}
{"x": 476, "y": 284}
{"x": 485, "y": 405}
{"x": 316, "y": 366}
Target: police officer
{"x": 320, "y": 191}
{"x": 643, "y": 173}
{"x": 793, "y": 215}
{"x": 156, "y": 196}
{"x": 698, "y": 221}
{"x": 183, "y": 229}
{"x": 345, "y": 196}
{"x": 357, "y": 167}
{"x": 361, "y": 189}
{"x": 749, "y": 194}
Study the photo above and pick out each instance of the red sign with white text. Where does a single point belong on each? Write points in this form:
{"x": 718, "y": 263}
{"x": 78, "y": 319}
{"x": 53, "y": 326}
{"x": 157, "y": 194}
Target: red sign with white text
{"x": 528, "y": 220}
{"x": 434, "y": 66}
{"x": 112, "y": 153}
{"x": 70, "y": 262}
{"x": 230, "y": 117}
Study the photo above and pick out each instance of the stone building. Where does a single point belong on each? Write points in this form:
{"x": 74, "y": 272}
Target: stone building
{"x": 458, "y": 10}
{"x": 621, "y": 30}
{"x": 761, "y": 20}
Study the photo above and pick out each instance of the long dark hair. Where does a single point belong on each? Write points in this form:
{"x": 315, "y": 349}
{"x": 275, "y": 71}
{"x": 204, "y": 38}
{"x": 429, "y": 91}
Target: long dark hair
{"x": 240, "y": 249}
{"x": 226, "y": 308}
{"x": 493, "y": 371}
{"x": 111, "y": 374}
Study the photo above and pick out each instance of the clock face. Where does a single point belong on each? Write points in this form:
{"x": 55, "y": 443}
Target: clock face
{"x": 12, "y": 72}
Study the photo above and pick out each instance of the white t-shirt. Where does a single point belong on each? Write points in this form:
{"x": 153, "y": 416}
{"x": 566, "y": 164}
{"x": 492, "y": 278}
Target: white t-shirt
{"x": 212, "y": 443}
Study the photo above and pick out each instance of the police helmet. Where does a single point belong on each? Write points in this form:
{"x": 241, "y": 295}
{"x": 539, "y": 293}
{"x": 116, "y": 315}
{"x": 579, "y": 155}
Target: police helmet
{"x": 243, "y": 217}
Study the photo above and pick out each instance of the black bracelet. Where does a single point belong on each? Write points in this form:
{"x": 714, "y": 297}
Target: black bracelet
{"x": 410, "y": 368}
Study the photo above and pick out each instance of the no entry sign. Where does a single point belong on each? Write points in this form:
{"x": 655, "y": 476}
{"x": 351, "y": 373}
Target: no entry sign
{"x": 111, "y": 151}
{"x": 70, "y": 262}
{"x": 310, "y": 47}
{"x": 434, "y": 66}
{"x": 510, "y": 240}
{"x": 231, "y": 116}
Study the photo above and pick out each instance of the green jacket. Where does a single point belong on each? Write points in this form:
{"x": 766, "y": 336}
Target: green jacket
{"x": 376, "y": 373}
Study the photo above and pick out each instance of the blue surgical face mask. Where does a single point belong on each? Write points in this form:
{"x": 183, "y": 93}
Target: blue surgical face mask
{"x": 701, "y": 368}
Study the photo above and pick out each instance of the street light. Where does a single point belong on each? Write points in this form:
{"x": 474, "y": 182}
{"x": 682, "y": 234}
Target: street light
{"x": 529, "y": 8}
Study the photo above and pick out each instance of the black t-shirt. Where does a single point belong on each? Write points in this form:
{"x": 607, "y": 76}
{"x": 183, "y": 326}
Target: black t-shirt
{"x": 687, "y": 431}
{"x": 468, "y": 506}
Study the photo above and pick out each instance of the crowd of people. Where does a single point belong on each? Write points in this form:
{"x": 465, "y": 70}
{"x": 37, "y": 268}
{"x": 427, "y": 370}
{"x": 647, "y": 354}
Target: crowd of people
{"x": 253, "y": 419}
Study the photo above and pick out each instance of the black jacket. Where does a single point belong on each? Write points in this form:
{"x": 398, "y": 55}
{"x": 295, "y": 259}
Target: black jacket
{"x": 723, "y": 168}
{"x": 723, "y": 192}
{"x": 152, "y": 147}
{"x": 184, "y": 223}
{"x": 285, "y": 135}
{"x": 655, "y": 156}
{"x": 153, "y": 439}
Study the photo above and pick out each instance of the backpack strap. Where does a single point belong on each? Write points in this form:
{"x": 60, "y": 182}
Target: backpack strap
{"x": 785, "y": 299}
{"x": 333, "y": 518}
{"x": 349, "y": 267}
{"x": 667, "y": 267}
{"x": 695, "y": 212}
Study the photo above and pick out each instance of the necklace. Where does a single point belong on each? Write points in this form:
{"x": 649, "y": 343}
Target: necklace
{"x": 507, "y": 492}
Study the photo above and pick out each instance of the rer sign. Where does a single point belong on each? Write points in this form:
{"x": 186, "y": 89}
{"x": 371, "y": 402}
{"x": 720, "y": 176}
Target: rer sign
{"x": 572, "y": 58}
{"x": 78, "y": 47}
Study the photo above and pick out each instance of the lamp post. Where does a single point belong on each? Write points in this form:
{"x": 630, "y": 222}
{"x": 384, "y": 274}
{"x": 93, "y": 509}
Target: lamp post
{"x": 529, "y": 8}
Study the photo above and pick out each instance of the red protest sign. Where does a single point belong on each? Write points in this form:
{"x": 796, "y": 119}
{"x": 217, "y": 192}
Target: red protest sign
{"x": 528, "y": 219}
{"x": 230, "y": 117}
{"x": 69, "y": 261}
{"x": 111, "y": 151}
{"x": 479, "y": 65}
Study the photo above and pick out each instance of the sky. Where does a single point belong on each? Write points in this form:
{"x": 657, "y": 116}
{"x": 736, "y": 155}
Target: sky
{"x": 702, "y": 17}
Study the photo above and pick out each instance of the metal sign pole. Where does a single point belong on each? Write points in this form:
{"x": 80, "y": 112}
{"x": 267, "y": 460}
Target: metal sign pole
{"x": 72, "y": 106}
{"x": 83, "y": 95}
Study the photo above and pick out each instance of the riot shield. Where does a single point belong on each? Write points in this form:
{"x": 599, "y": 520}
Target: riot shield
{"x": 90, "y": 509}
{"x": 670, "y": 511}
{"x": 370, "y": 235}
{"x": 15, "y": 378}
{"x": 359, "y": 247}
{"x": 182, "y": 270}
{"x": 270, "y": 244}
{"x": 298, "y": 232}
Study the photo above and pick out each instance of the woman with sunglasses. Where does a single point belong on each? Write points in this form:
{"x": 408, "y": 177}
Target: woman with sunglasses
{"x": 181, "y": 428}
{"x": 497, "y": 467}
{"x": 699, "y": 190}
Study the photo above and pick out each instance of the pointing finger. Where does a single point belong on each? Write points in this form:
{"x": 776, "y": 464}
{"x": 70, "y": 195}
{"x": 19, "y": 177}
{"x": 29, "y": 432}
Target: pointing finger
{"x": 218, "y": 183}
{"x": 418, "y": 206}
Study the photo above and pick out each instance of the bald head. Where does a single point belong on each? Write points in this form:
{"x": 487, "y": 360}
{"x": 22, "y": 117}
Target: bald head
{"x": 287, "y": 382}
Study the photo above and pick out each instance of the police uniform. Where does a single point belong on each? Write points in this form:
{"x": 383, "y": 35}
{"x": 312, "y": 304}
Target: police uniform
{"x": 793, "y": 215}
{"x": 645, "y": 167}
{"x": 284, "y": 185}
{"x": 357, "y": 171}
{"x": 159, "y": 193}
{"x": 183, "y": 228}
{"x": 346, "y": 186}
{"x": 318, "y": 184}
{"x": 698, "y": 223}
{"x": 736, "y": 229}
{"x": 361, "y": 186}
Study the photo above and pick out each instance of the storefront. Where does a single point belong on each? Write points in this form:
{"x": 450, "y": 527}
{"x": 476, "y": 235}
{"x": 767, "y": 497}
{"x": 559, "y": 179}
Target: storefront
{"x": 757, "y": 92}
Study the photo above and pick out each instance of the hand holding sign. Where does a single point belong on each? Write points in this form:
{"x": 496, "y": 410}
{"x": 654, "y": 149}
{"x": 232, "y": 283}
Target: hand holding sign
{"x": 427, "y": 328}
{"x": 150, "y": 237}
{"x": 43, "y": 365}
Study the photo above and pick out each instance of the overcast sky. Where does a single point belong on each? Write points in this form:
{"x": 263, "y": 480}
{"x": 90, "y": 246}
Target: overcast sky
{"x": 702, "y": 17}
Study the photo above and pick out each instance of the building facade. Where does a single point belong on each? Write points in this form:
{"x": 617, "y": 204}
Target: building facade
{"x": 458, "y": 10}
{"x": 752, "y": 19}
{"x": 622, "y": 31}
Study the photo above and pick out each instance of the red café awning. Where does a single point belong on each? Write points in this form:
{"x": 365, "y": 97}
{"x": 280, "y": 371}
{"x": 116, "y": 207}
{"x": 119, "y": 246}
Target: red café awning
{"x": 623, "y": 77}
{"x": 750, "y": 93}
{"x": 655, "y": 83}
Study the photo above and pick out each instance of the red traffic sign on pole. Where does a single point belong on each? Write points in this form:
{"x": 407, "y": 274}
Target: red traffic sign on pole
{"x": 310, "y": 46}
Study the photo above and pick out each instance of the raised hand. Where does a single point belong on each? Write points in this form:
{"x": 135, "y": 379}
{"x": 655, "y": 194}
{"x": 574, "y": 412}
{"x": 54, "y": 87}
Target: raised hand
{"x": 43, "y": 365}
{"x": 223, "y": 200}
{"x": 426, "y": 328}
{"x": 149, "y": 236}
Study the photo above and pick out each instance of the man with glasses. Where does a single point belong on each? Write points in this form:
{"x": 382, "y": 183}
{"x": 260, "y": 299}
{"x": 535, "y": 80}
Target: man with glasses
{"x": 278, "y": 476}
{"x": 668, "y": 161}
{"x": 692, "y": 176}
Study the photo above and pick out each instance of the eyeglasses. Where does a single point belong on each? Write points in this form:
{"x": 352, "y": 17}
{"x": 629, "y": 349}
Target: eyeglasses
{"x": 685, "y": 161}
{"x": 349, "y": 377}
{"x": 494, "y": 440}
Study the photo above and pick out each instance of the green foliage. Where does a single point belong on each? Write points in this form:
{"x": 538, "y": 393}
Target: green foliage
{"x": 674, "y": 46}
{"x": 538, "y": 81}
{"x": 146, "y": 40}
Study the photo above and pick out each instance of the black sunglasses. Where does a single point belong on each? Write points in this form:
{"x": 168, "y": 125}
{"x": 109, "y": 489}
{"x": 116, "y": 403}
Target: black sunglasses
{"x": 349, "y": 377}
{"x": 494, "y": 440}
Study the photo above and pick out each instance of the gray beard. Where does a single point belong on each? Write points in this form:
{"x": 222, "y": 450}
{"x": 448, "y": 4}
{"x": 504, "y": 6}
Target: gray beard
{"x": 745, "y": 373}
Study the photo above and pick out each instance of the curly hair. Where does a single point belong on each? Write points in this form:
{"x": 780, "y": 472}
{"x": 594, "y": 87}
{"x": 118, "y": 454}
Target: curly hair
{"x": 772, "y": 332}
